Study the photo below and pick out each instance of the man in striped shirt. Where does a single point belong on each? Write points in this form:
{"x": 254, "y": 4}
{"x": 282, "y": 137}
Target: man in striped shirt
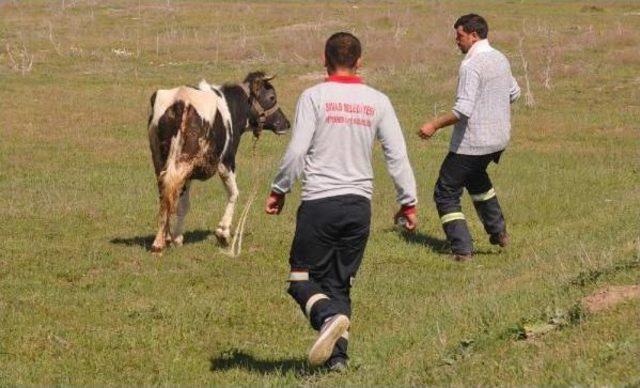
{"x": 482, "y": 124}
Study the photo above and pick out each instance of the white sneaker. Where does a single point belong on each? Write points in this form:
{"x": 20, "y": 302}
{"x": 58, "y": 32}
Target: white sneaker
{"x": 332, "y": 329}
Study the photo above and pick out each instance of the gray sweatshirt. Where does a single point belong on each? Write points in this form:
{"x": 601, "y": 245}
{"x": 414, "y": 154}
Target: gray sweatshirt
{"x": 486, "y": 89}
{"x": 336, "y": 123}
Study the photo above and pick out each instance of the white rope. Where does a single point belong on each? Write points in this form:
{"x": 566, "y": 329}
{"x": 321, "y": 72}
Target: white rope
{"x": 235, "y": 249}
{"x": 236, "y": 243}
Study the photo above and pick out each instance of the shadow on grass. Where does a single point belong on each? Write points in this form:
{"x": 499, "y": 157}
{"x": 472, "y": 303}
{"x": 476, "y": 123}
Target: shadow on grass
{"x": 437, "y": 245}
{"x": 190, "y": 237}
{"x": 238, "y": 359}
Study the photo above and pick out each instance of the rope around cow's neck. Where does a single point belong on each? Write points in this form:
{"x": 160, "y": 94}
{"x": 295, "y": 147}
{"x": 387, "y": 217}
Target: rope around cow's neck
{"x": 235, "y": 249}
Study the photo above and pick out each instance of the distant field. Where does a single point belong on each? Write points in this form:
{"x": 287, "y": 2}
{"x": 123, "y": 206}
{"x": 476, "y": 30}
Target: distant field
{"x": 83, "y": 301}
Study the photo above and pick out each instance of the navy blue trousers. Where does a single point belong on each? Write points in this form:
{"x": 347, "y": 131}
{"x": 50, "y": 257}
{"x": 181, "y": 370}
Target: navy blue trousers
{"x": 467, "y": 171}
{"x": 326, "y": 253}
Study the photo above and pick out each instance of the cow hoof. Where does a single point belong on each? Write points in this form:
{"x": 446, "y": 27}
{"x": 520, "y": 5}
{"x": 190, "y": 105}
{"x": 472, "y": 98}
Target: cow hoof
{"x": 178, "y": 240}
{"x": 157, "y": 250}
{"x": 223, "y": 241}
{"x": 223, "y": 236}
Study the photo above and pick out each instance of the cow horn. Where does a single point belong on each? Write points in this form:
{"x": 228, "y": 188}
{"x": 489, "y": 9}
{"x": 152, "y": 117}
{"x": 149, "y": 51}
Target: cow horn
{"x": 269, "y": 77}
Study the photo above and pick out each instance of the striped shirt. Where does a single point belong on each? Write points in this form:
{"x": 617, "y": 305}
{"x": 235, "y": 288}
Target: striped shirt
{"x": 486, "y": 89}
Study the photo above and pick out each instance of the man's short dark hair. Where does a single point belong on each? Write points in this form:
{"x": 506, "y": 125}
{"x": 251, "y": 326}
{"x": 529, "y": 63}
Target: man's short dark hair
{"x": 473, "y": 23}
{"x": 342, "y": 50}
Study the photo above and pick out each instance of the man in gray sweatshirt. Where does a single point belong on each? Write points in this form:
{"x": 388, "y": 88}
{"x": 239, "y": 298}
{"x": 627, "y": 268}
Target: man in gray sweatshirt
{"x": 331, "y": 148}
{"x": 482, "y": 125}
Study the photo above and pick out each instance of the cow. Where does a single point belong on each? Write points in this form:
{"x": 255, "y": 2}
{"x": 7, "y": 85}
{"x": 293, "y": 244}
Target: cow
{"x": 194, "y": 133}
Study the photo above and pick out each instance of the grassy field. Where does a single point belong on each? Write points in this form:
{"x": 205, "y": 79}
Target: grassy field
{"x": 83, "y": 301}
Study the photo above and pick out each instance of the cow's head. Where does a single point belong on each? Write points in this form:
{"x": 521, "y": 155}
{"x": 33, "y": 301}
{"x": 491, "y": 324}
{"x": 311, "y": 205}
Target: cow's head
{"x": 264, "y": 112}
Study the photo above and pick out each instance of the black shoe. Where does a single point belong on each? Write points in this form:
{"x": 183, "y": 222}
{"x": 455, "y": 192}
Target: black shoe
{"x": 337, "y": 364}
{"x": 501, "y": 239}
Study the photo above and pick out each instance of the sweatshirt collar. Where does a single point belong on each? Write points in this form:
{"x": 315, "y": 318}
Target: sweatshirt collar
{"x": 345, "y": 79}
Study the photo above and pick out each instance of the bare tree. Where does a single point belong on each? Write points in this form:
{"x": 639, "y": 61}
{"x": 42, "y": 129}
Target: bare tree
{"x": 56, "y": 46}
{"x": 529, "y": 100}
{"x": 19, "y": 59}
{"x": 549, "y": 60}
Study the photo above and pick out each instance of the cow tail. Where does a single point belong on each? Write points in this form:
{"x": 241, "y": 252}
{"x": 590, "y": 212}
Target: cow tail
{"x": 174, "y": 176}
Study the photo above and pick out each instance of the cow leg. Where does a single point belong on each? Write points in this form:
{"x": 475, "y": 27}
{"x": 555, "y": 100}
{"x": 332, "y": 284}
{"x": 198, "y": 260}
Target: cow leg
{"x": 223, "y": 232}
{"x": 170, "y": 184}
{"x": 159, "y": 243}
{"x": 183, "y": 209}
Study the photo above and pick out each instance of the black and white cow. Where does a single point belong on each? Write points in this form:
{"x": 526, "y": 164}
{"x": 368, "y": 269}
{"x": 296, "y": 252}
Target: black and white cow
{"x": 194, "y": 133}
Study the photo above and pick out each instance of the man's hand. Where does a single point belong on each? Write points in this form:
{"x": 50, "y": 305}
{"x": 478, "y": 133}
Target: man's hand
{"x": 427, "y": 130}
{"x": 430, "y": 128}
{"x": 407, "y": 218}
{"x": 275, "y": 203}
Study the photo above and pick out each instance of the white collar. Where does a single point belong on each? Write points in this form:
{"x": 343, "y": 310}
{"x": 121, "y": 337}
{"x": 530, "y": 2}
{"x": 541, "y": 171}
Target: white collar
{"x": 481, "y": 46}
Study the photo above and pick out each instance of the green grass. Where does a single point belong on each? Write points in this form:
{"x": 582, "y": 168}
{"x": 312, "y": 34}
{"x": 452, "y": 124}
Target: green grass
{"x": 82, "y": 301}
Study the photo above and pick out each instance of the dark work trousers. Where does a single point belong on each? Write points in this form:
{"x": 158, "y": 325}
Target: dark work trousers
{"x": 327, "y": 249}
{"x": 470, "y": 171}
